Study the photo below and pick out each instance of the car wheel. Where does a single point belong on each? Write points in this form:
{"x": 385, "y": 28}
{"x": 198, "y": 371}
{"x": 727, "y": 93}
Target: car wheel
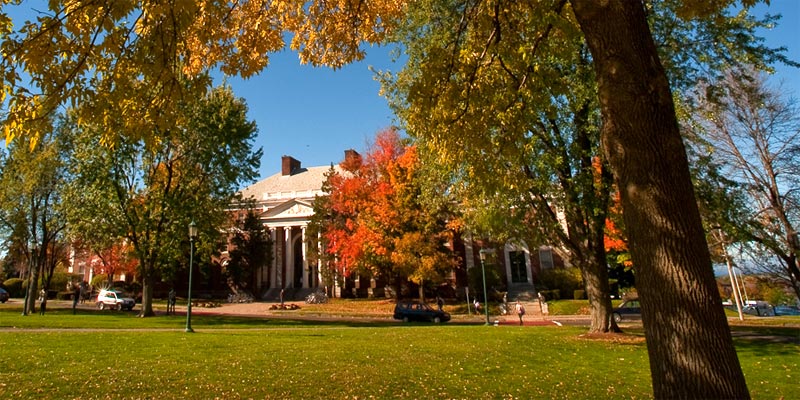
{"x": 405, "y": 319}
{"x": 101, "y": 305}
{"x": 437, "y": 320}
{"x": 617, "y": 318}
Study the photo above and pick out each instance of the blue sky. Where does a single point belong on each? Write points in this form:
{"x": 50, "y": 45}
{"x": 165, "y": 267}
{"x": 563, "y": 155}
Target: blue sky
{"x": 314, "y": 114}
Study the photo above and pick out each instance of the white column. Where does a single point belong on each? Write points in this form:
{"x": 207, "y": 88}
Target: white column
{"x": 305, "y": 259}
{"x": 273, "y": 276}
{"x": 287, "y": 257}
{"x": 319, "y": 259}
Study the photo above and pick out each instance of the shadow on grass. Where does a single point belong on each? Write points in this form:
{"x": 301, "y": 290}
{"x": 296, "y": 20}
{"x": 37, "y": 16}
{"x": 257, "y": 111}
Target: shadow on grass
{"x": 92, "y": 318}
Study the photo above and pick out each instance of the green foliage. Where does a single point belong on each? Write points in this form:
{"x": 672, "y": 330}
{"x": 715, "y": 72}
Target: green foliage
{"x": 99, "y": 281}
{"x": 579, "y": 294}
{"x": 774, "y": 293}
{"x": 59, "y": 281}
{"x": 148, "y": 191}
{"x": 550, "y": 295}
{"x": 494, "y": 281}
{"x": 252, "y": 250}
{"x": 15, "y": 287}
{"x": 564, "y": 280}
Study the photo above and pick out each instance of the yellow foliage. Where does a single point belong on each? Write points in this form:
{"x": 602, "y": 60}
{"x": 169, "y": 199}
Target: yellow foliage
{"x": 123, "y": 61}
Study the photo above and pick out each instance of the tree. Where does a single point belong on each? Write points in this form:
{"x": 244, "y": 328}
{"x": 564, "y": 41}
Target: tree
{"x": 33, "y": 176}
{"x": 753, "y": 133}
{"x": 523, "y": 51}
{"x": 641, "y": 140}
{"x": 372, "y": 222}
{"x": 531, "y": 149}
{"x": 252, "y": 250}
{"x": 150, "y": 191}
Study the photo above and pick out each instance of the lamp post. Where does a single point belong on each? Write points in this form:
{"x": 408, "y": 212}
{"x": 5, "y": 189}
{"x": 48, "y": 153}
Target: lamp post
{"x": 482, "y": 254}
{"x": 192, "y": 237}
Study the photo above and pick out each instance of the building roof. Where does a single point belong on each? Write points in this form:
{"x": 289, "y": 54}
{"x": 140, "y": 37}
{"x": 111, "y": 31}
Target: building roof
{"x": 301, "y": 183}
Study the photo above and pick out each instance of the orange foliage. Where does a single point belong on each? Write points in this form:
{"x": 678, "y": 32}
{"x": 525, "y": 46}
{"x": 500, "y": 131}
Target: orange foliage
{"x": 374, "y": 207}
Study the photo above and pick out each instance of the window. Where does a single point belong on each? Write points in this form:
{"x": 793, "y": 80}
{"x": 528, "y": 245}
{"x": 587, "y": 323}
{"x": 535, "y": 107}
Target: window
{"x": 546, "y": 257}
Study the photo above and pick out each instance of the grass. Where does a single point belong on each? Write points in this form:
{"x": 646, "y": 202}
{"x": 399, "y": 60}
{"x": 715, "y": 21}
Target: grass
{"x": 237, "y": 357}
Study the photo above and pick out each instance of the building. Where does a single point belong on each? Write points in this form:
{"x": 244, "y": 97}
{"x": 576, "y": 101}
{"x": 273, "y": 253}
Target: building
{"x": 285, "y": 201}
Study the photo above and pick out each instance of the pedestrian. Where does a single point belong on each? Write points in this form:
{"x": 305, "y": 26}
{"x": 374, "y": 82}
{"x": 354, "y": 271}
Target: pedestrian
{"x": 171, "y": 301}
{"x": 520, "y": 311}
{"x": 42, "y": 301}
{"x": 477, "y": 306}
{"x": 76, "y": 294}
{"x": 439, "y": 302}
{"x": 281, "y": 298}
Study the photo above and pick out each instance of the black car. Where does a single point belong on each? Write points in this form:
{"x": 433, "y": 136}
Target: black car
{"x": 629, "y": 309}
{"x": 418, "y": 311}
{"x": 3, "y": 295}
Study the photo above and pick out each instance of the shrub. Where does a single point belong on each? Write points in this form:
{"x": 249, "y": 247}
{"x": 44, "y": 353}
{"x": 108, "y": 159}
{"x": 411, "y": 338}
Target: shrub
{"x": 59, "y": 281}
{"x": 550, "y": 295}
{"x": 493, "y": 280}
{"x": 579, "y": 294}
{"x": 564, "y": 280}
{"x": 99, "y": 281}
{"x": 15, "y": 287}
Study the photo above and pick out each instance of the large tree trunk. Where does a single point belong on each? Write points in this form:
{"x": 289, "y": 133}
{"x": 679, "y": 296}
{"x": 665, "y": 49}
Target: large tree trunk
{"x": 148, "y": 283}
{"x": 147, "y": 298}
{"x": 32, "y": 291}
{"x": 595, "y": 276}
{"x": 688, "y": 338}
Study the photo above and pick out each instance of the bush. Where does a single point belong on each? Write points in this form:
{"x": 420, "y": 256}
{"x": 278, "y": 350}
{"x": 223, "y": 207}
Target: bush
{"x": 550, "y": 295}
{"x": 15, "y": 287}
{"x": 564, "y": 280}
{"x": 493, "y": 280}
{"x": 99, "y": 281}
{"x": 579, "y": 294}
{"x": 59, "y": 281}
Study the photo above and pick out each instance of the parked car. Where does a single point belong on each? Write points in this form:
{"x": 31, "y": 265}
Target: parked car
{"x": 3, "y": 295}
{"x": 758, "y": 308}
{"x": 114, "y": 300}
{"x": 418, "y": 311}
{"x": 786, "y": 310}
{"x": 629, "y": 309}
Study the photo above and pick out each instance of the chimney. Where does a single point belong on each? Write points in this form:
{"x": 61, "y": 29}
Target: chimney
{"x": 352, "y": 159}
{"x": 289, "y": 165}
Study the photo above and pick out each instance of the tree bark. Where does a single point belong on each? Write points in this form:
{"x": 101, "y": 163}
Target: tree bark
{"x": 688, "y": 339}
{"x": 147, "y": 298}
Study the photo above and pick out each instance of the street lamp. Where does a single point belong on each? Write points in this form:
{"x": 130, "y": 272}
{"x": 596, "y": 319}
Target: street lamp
{"x": 482, "y": 254}
{"x": 192, "y": 237}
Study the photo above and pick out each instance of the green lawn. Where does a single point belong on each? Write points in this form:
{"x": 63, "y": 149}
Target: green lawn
{"x": 232, "y": 358}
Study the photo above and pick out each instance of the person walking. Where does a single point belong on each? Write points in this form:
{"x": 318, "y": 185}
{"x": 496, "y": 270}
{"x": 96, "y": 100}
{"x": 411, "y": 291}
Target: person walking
{"x": 520, "y": 311}
{"x": 171, "y": 300}
{"x": 440, "y": 302}
{"x": 42, "y": 301}
{"x": 76, "y": 295}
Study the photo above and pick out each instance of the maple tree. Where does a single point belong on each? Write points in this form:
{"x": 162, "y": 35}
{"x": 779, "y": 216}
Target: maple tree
{"x": 372, "y": 224}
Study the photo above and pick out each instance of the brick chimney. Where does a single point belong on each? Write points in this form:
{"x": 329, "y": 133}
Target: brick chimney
{"x": 289, "y": 165}
{"x": 351, "y": 157}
